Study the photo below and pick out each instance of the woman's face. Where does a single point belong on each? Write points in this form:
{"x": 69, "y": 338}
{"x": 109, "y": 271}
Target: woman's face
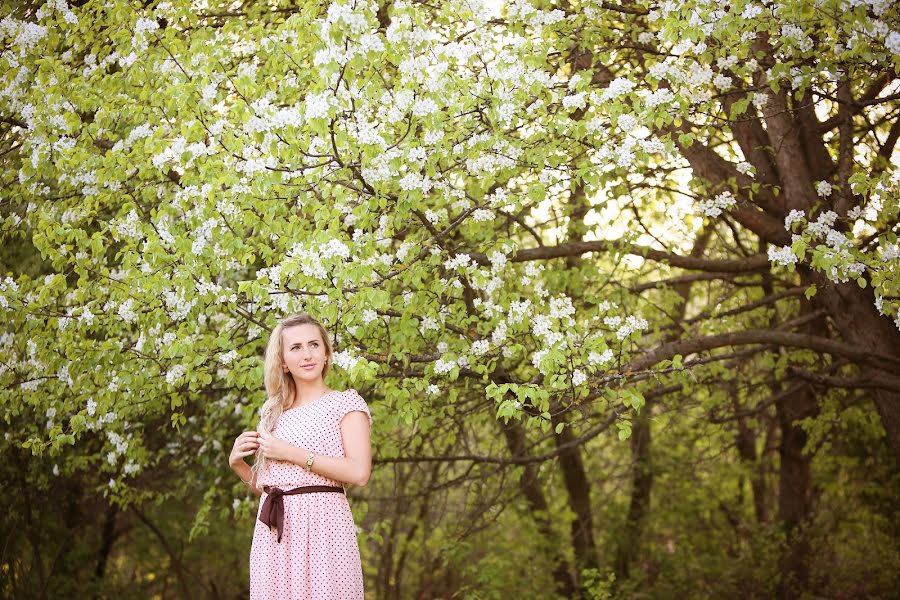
{"x": 303, "y": 352}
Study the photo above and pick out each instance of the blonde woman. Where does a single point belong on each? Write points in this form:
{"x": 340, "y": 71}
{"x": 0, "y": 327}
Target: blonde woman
{"x": 311, "y": 440}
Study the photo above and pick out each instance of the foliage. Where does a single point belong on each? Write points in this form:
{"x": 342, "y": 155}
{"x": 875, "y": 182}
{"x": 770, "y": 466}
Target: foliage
{"x": 535, "y": 232}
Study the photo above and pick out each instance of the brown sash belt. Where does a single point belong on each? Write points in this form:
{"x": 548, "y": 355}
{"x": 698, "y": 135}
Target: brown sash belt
{"x": 272, "y": 513}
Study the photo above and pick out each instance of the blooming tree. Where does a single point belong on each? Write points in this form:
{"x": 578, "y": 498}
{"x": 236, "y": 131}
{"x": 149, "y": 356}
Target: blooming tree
{"x": 501, "y": 204}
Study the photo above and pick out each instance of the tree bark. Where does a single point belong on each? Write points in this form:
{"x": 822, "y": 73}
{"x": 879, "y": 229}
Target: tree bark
{"x": 540, "y": 511}
{"x": 852, "y": 310}
{"x": 641, "y": 485}
{"x": 579, "y": 494}
{"x": 746, "y": 446}
{"x": 106, "y": 541}
{"x": 794, "y": 493}
{"x": 794, "y": 481}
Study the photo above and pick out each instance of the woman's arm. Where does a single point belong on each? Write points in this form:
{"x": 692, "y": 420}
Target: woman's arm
{"x": 246, "y": 474}
{"x": 245, "y": 445}
{"x": 356, "y": 464}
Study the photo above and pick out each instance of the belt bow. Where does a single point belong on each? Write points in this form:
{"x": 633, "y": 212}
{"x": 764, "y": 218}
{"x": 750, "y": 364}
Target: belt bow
{"x": 272, "y": 513}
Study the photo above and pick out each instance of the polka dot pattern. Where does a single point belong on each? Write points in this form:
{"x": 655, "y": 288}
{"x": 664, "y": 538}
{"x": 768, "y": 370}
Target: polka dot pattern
{"x": 318, "y": 557}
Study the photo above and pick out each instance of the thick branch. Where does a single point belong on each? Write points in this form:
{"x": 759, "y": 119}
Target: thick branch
{"x": 751, "y": 264}
{"x": 778, "y": 338}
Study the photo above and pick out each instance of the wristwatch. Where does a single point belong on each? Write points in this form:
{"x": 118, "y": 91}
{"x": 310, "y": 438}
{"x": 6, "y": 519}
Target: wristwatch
{"x": 309, "y": 461}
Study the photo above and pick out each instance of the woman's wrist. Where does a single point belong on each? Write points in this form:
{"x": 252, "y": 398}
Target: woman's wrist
{"x": 298, "y": 456}
{"x": 242, "y": 470}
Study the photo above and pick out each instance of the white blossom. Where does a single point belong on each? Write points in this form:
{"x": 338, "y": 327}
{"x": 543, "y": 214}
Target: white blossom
{"x": 574, "y": 101}
{"x": 722, "y": 82}
{"x": 126, "y": 311}
{"x": 617, "y": 87}
{"x": 175, "y": 374}
{"x": 793, "y": 217}
{"x": 518, "y": 310}
{"x": 345, "y": 360}
{"x": 460, "y": 260}
{"x": 889, "y": 252}
{"x": 318, "y": 105}
{"x": 715, "y": 207}
{"x": 578, "y": 377}
{"x": 424, "y": 107}
{"x": 627, "y": 122}
{"x": 499, "y": 333}
{"x": 442, "y": 366}
{"x": 144, "y": 25}
{"x": 751, "y": 11}
{"x": 598, "y": 360}
{"x": 227, "y": 358}
{"x": 783, "y": 256}
{"x": 537, "y": 357}
{"x": 892, "y": 42}
{"x": 759, "y": 99}
{"x": 823, "y": 189}
{"x": 480, "y": 347}
{"x": 561, "y": 307}
{"x": 631, "y": 325}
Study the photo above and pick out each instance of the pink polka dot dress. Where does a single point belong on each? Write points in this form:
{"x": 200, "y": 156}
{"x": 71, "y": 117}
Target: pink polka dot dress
{"x": 318, "y": 557}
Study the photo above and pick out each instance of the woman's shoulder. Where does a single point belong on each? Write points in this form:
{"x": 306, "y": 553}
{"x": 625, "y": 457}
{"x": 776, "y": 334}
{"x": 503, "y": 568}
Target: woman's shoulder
{"x": 348, "y": 395}
{"x": 348, "y": 401}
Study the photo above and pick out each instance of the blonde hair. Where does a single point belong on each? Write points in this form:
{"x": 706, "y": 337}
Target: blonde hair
{"x": 280, "y": 387}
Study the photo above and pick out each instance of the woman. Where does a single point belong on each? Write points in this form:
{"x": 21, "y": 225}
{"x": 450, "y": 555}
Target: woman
{"x": 310, "y": 441}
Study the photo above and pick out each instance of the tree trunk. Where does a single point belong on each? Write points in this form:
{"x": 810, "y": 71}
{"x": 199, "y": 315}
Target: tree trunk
{"x": 107, "y": 539}
{"x": 746, "y": 446}
{"x": 794, "y": 494}
{"x": 537, "y": 504}
{"x": 794, "y": 483}
{"x": 853, "y": 312}
{"x": 641, "y": 484}
{"x": 579, "y": 493}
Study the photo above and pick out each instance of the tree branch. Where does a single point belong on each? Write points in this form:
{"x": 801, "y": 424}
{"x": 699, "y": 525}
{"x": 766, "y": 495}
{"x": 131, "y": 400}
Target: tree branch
{"x": 752, "y": 264}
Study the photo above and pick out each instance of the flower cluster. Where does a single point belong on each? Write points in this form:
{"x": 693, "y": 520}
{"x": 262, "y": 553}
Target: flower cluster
{"x": 823, "y": 223}
{"x": 345, "y": 360}
{"x": 177, "y": 305}
{"x": 625, "y": 327}
{"x": 783, "y": 256}
{"x": 458, "y": 261}
{"x": 715, "y": 207}
{"x": 319, "y": 105}
{"x": 598, "y": 360}
{"x": 794, "y": 216}
{"x": 175, "y": 374}
{"x": 823, "y": 189}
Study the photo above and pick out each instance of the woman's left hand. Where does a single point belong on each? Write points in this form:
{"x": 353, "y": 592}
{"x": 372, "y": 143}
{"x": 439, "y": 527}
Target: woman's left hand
{"x": 275, "y": 449}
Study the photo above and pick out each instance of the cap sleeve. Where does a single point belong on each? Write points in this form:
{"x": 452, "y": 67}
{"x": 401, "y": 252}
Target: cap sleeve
{"x": 350, "y": 401}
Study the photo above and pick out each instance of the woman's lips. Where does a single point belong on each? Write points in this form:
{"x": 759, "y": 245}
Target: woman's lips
{"x": 307, "y": 366}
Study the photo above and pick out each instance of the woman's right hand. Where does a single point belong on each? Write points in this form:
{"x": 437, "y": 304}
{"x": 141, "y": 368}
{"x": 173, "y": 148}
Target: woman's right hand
{"x": 245, "y": 445}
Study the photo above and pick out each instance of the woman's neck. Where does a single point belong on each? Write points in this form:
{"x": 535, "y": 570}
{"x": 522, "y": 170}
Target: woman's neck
{"x": 308, "y": 392}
